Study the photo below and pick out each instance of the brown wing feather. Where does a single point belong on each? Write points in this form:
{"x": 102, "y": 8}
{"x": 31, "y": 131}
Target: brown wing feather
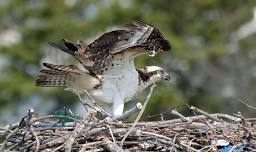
{"x": 107, "y": 45}
{"x": 117, "y": 41}
{"x": 137, "y": 37}
{"x": 77, "y": 50}
{"x": 107, "y": 40}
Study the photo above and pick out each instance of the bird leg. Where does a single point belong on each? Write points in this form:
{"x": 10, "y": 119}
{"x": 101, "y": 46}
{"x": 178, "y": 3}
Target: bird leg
{"x": 118, "y": 105}
{"x": 95, "y": 104}
{"x": 83, "y": 103}
{"x": 80, "y": 98}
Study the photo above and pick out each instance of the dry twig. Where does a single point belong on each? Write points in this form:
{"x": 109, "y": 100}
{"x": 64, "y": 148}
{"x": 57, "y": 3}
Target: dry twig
{"x": 139, "y": 115}
{"x": 91, "y": 134}
{"x": 247, "y": 105}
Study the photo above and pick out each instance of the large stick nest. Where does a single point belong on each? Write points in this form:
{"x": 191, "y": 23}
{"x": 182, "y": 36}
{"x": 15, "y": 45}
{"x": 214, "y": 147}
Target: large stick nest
{"x": 203, "y": 132}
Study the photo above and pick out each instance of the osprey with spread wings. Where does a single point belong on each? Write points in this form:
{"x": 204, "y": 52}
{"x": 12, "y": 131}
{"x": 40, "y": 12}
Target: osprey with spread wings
{"x": 111, "y": 76}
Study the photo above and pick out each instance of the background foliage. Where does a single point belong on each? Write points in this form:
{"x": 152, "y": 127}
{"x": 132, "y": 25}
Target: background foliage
{"x": 212, "y": 62}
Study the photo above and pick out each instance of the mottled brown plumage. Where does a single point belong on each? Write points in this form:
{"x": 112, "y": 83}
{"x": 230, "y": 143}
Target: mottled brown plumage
{"x": 138, "y": 38}
{"x": 112, "y": 77}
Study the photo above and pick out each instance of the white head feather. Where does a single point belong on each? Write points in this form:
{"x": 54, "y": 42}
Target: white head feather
{"x": 152, "y": 68}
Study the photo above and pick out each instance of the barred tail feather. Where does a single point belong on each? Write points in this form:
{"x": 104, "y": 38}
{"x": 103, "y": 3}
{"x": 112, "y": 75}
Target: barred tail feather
{"x": 47, "y": 80}
{"x": 68, "y": 76}
{"x": 52, "y": 72}
{"x": 56, "y": 75}
{"x": 63, "y": 68}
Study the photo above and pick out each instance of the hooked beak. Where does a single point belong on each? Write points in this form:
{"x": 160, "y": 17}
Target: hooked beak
{"x": 166, "y": 77}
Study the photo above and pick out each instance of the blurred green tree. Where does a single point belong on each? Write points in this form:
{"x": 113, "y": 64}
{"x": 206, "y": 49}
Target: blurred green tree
{"x": 207, "y": 71}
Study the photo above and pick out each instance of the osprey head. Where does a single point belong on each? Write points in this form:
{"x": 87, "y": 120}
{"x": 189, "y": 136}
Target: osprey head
{"x": 156, "y": 43}
{"x": 153, "y": 73}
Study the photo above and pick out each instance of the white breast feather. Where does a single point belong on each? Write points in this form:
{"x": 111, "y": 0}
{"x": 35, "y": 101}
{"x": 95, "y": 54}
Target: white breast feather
{"x": 121, "y": 79}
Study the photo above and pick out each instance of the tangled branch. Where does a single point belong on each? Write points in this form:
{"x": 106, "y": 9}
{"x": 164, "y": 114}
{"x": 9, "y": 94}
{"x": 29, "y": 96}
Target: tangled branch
{"x": 201, "y": 132}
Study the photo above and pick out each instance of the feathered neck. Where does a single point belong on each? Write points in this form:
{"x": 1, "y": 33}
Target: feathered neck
{"x": 145, "y": 81}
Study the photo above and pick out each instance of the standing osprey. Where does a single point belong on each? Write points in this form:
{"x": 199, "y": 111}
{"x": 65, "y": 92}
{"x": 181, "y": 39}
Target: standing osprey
{"x": 112, "y": 91}
{"x": 112, "y": 77}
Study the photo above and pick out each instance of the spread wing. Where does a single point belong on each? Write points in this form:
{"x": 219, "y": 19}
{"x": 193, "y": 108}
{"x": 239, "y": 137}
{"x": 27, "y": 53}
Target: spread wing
{"x": 137, "y": 38}
{"x": 68, "y": 76}
{"x": 139, "y": 32}
{"x": 131, "y": 35}
{"x": 77, "y": 50}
